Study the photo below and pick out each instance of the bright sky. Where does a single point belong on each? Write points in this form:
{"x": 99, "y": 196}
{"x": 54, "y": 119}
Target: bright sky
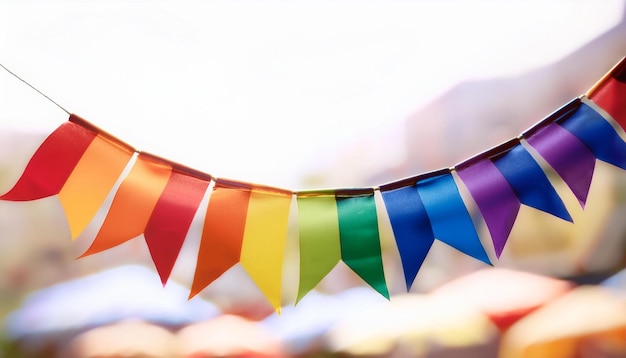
{"x": 258, "y": 90}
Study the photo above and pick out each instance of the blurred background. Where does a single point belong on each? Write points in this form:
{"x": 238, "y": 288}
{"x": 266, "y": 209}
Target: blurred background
{"x": 303, "y": 95}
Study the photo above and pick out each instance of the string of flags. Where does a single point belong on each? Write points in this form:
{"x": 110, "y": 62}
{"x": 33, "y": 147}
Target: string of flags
{"x": 246, "y": 223}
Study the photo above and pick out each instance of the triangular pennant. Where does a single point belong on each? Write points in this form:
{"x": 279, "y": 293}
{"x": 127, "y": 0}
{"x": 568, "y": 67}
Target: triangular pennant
{"x": 411, "y": 228}
{"x": 360, "y": 239}
{"x": 494, "y": 197}
{"x": 265, "y": 235}
{"x": 91, "y": 181}
{"x": 52, "y": 163}
{"x": 567, "y": 155}
{"x": 132, "y": 204}
{"x": 81, "y": 164}
{"x": 530, "y": 183}
{"x": 449, "y": 217}
{"x": 222, "y": 233}
{"x": 172, "y": 215}
{"x": 320, "y": 248}
{"x": 610, "y": 93}
{"x": 598, "y": 134}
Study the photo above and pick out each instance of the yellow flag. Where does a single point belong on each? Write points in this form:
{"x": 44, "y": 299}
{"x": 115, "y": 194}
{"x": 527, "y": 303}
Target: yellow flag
{"x": 265, "y": 235}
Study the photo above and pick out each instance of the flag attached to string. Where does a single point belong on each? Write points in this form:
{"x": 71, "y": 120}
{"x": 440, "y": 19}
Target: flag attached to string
{"x": 264, "y": 240}
{"x": 449, "y": 217}
{"x": 318, "y": 228}
{"x": 80, "y": 163}
{"x": 572, "y": 160}
{"x": 494, "y": 197}
{"x": 339, "y": 225}
{"x": 529, "y": 182}
{"x": 171, "y": 217}
{"x": 411, "y": 227}
{"x": 222, "y": 234}
{"x": 247, "y": 223}
{"x": 244, "y": 223}
{"x": 610, "y": 93}
{"x": 597, "y": 133}
{"x": 359, "y": 237}
{"x": 500, "y": 180}
{"x": 132, "y": 204}
{"x": 428, "y": 207}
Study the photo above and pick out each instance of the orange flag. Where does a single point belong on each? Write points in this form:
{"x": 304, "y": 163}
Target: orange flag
{"x": 222, "y": 233}
{"x": 244, "y": 223}
{"x": 133, "y": 203}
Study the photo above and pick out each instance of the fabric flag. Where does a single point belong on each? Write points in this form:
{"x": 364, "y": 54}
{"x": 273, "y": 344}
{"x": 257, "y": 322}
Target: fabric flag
{"x": 133, "y": 203}
{"x": 450, "y": 220}
{"x": 411, "y": 228}
{"x": 244, "y": 223}
{"x": 339, "y": 225}
{"x": 567, "y": 155}
{"x": 222, "y": 233}
{"x": 52, "y": 163}
{"x": 494, "y": 198}
{"x": 247, "y": 223}
{"x": 529, "y": 182}
{"x": 171, "y": 218}
{"x": 610, "y": 93}
{"x": 320, "y": 249}
{"x": 79, "y": 162}
{"x": 264, "y": 240}
{"x": 597, "y": 133}
{"x": 360, "y": 238}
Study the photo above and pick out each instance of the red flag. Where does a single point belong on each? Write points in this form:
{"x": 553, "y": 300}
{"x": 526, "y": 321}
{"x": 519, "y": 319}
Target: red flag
{"x": 610, "y": 93}
{"x": 52, "y": 163}
{"x": 172, "y": 216}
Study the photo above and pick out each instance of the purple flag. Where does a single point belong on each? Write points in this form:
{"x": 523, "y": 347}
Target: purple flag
{"x": 494, "y": 197}
{"x": 569, "y": 157}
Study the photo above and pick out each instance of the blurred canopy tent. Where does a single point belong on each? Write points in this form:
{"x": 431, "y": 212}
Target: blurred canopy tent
{"x": 414, "y": 325}
{"x": 110, "y": 296}
{"x": 504, "y": 295}
{"x": 126, "y": 339}
{"x": 229, "y": 336}
{"x": 589, "y": 321}
{"x": 302, "y": 328}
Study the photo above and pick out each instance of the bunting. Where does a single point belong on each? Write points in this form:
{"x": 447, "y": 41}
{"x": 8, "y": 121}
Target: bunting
{"x": 246, "y": 224}
{"x": 339, "y": 225}
{"x": 411, "y": 227}
{"x": 572, "y": 160}
{"x": 80, "y": 163}
{"x": 318, "y": 228}
{"x": 494, "y": 197}
{"x": 171, "y": 218}
{"x": 264, "y": 240}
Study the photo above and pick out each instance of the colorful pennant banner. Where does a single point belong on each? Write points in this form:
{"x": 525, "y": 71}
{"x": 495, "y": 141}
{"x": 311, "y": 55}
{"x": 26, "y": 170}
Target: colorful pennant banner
{"x": 339, "y": 225}
{"x": 247, "y": 223}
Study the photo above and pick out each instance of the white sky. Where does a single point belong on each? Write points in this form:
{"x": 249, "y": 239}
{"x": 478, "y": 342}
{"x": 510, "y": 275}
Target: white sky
{"x": 259, "y": 90}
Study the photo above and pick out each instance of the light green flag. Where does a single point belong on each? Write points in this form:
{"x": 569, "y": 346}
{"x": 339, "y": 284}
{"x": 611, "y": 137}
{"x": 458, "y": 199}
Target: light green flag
{"x": 320, "y": 249}
{"x": 336, "y": 226}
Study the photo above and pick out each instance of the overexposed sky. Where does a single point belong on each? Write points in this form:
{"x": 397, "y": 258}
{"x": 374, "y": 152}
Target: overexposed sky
{"x": 261, "y": 90}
